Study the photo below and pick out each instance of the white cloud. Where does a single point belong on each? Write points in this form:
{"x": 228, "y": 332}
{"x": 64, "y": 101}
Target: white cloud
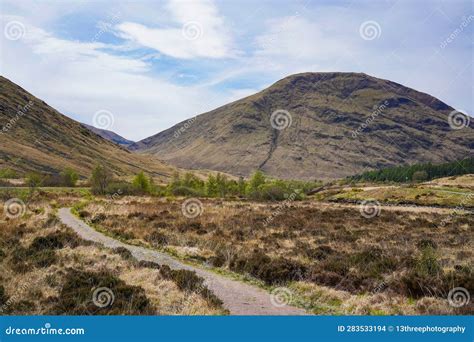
{"x": 199, "y": 32}
{"x": 80, "y": 78}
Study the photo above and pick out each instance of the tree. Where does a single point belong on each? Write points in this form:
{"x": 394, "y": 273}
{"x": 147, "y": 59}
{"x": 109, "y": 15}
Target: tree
{"x": 142, "y": 182}
{"x": 257, "y": 179}
{"x": 100, "y": 179}
{"x": 33, "y": 181}
{"x": 241, "y": 186}
{"x": 419, "y": 176}
{"x": 211, "y": 186}
{"x": 69, "y": 177}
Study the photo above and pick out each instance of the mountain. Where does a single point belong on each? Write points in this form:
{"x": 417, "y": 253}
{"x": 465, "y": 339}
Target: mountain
{"x": 341, "y": 124}
{"x": 109, "y": 135}
{"x": 36, "y": 137}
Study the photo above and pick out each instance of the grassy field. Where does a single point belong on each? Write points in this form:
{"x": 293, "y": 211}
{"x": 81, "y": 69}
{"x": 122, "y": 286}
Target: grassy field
{"x": 332, "y": 258}
{"x": 47, "y": 269}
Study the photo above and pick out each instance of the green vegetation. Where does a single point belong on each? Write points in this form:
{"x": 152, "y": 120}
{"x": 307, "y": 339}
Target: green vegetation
{"x": 418, "y": 172}
{"x": 258, "y": 187}
{"x": 7, "y": 173}
{"x": 100, "y": 179}
{"x": 142, "y": 183}
{"x": 70, "y": 177}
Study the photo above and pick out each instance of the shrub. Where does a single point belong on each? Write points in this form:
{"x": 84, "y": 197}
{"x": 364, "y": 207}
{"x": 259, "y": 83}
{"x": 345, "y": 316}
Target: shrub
{"x": 191, "y": 282}
{"x": 419, "y": 176}
{"x": 3, "y": 295}
{"x": 78, "y": 288}
{"x": 7, "y": 173}
{"x": 272, "y": 271}
{"x": 124, "y": 253}
{"x": 142, "y": 183}
{"x": 100, "y": 179}
{"x": 186, "y": 191}
{"x": 157, "y": 238}
{"x": 120, "y": 188}
{"x": 69, "y": 177}
{"x": 33, "y": 181}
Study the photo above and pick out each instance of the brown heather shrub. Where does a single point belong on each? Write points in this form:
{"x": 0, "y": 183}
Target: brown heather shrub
{"x": 124, "y": 253}
{"x": 271, "y": 271}
{"x": 76, "y": 294}
{"x": 191, "y": 282}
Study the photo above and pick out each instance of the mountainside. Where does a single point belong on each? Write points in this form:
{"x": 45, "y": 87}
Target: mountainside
{"x": 341, "y": 124}
{"x": 109, "y": 135}
{"x": 36, "y": 137}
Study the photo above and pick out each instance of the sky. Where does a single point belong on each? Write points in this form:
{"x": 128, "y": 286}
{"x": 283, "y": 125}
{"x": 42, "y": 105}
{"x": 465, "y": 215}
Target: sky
{"x": 139, "y": 67}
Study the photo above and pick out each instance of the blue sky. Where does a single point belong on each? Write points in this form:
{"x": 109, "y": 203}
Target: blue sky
{"x": 152, "y": 64}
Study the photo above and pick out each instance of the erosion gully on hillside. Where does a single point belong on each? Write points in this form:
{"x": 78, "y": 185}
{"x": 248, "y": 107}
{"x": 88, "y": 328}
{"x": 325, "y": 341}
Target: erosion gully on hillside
{"x": 238, "y": 298}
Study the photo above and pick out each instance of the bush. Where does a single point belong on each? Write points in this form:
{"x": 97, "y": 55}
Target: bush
{"x": 120, "y": 189}
{"x": 100, "y": 179}
{"x": 3, "y": 296}
{"x": 191, "y": 282}
{"x": 124, "y": 253}
{"x": 185, "y": 191}
{"x": 419, "y": 176}
{"x": 272, "y": 271}
{"x": 33, "y": 181}
{"x": 76, "y": 293}
{"x": 69, "y": 177}
{"x": 142, "y": 183}
{"x": 157, "y": 238}
{"x": 7, "y": 173}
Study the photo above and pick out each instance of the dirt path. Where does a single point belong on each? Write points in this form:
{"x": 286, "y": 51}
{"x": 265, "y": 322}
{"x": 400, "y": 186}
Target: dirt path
{"x": 239, "y": 298}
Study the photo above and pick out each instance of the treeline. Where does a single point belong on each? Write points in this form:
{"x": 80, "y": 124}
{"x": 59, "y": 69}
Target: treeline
{"x": 102, "y": 182}
{"x": 258, "y": 187}
{"x": 66, "y": 178}
{"x": 418, "y": 172}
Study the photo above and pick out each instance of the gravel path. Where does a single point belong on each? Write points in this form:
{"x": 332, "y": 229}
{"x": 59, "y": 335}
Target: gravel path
{"x": 239, "y": 298}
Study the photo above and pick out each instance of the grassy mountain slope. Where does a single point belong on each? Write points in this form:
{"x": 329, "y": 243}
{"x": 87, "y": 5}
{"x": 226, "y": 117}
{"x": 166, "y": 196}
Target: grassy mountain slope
{"x": 327, "y": 109}
{"x": 36, "y": 137}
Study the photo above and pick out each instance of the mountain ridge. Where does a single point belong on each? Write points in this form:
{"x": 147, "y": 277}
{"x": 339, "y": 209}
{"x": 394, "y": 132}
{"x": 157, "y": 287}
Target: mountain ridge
{"x": 325, "y": 139}
{"x": 35, "y": 137}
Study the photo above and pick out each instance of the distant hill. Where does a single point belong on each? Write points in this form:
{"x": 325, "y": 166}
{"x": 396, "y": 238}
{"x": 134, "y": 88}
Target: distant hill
{"x": 109, "y": 135}
{"x": 341, "y": 124}
{"x": 36, "y": 137}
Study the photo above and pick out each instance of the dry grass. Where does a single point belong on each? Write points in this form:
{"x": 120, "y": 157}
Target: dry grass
{"x": 418, "y": 257}
{"x": 53, "y": 286}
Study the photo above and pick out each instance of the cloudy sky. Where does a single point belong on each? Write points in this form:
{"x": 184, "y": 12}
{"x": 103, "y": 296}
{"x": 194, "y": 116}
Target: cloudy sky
{"x": 151, "y": 64}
